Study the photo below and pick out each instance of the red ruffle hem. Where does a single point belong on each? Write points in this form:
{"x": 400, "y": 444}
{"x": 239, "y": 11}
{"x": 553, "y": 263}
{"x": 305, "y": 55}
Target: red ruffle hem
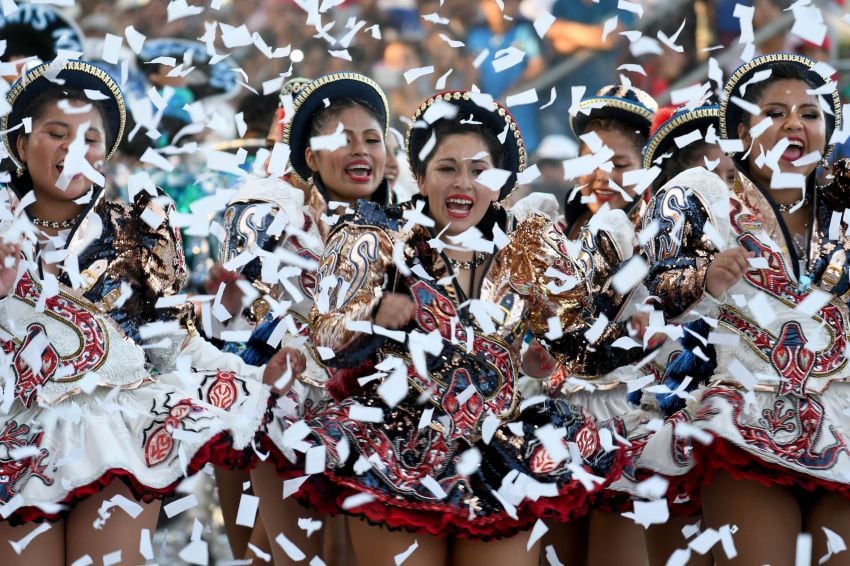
{"x": 326, "y": 493}
{"x": 218, "y": 451}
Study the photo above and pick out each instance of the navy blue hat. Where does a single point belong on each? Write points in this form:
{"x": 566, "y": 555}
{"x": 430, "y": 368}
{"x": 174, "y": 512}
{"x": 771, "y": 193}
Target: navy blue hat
{"x": 39, "y": 30}
{"x": 616, "y": 102}
{"x": 73, "y": 74}
{"x": 682, "y": 121}
{"x": 731, "y": 114}
{"x": 311, "y": 98}
{"x": 495, "y": 118}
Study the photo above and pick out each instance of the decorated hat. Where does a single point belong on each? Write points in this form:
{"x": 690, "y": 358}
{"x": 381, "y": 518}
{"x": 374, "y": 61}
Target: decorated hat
{"x": 291, "y": 88}
{"x": 311, "y": 98}
{"x": 39, "y": 30}
{"x": 206, "y": 79}
{"x": 616, "y": 102}
{"x": 680, "y": 122}
{"x": 477, "y": 108}
{"x": 73, "y": 74}
{"x": 731, "y": 114}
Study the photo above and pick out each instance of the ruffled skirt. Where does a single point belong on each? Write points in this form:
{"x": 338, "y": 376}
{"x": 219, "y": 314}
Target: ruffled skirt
{"x": 151, "y": 437}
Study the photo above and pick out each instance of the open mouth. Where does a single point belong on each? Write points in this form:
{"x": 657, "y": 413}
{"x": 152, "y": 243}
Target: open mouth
{"x": 459, "y": 206}
{"x": 795, "y": 150}
{"x": 359, "y": 172}
{"x": 604, "y": 195}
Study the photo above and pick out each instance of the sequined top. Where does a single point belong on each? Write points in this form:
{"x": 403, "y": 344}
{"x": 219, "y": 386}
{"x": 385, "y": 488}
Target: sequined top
{"x": 698, "y": 216}
{"x": 529, "y": 285}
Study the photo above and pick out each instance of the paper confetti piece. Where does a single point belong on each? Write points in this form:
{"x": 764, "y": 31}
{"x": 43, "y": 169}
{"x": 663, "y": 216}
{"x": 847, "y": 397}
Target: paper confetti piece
{"x": 354, "y": 501}
{"x": 180, "y": 505}
{"x": 19, "y": 545}
{"x": 134, "y": 39}
{"x": 803, "y": 554}
{"x": 412, "y": 74}
{"x": 292, "y": 551}
{"x": 246, "y": 516}
{"x": 648, "y": 513}
{"x": 525, "y": 97}
{"x": 400, "y": 558}
{"x": 630, "y": 275}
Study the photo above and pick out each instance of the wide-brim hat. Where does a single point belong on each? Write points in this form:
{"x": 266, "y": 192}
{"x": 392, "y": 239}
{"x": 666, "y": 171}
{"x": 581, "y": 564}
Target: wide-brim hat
{"x": 731, "y": 114}
{"x": 616, "y": 102}
{"x": 311, "y": 98}
{"x": 483, "y": 109}
{"x": 207, "y": 78}
{"x": 72, "y": 74}
{"x": 40, "y": 30}
{"x": 683, "y": 121}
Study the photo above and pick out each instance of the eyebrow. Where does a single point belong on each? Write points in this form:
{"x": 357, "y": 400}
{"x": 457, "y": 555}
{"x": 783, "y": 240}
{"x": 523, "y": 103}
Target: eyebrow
{"x": 67, "y": 125}
{"x": 367, "y": 131}
{"x": 784, "y": 105}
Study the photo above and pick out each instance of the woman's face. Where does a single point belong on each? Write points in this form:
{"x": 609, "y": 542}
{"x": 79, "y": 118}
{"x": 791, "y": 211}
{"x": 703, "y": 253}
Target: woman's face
{"x": 355, "y": 169}
{"x": 725, "y": 167}
{"x": 392, "y": 168}
{"x": 797, "y": 117}
{"x": 45, "y": 148}
{"x": 600, "y": 183}
{"x": 455, "y": 197}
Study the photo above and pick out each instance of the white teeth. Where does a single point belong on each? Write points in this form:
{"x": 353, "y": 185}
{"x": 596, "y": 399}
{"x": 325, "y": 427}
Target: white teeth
{"x": 796, "y": 143}
{"x": 461, "y": 202}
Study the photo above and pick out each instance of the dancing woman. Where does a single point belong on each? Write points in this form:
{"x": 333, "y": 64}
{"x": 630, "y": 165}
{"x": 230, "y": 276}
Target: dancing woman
{"x": 349, "y": 168}
{"x": 109, "y": 392}
{"x": 426, "y": 432}
{"x": 766, "y": 261}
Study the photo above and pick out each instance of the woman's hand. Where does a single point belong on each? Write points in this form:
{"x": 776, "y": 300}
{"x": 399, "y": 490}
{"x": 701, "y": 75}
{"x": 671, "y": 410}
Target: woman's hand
{"x": 727, "y": 269}
{"x": 287, "y": 358}
{"x": 537, "y": 362}
{"x": 395, "y": 311}
{"x": 10, "y": 257}
{"x": 639, "y": 323}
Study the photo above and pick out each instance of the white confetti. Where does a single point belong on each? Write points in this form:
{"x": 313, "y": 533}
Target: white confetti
{"x": 400, "y": 558}
{"x": 292, "y": 551}
{"x": 412, "y": 74}
{"x": 180, "y": 505}
{"x": 246, "y": 516}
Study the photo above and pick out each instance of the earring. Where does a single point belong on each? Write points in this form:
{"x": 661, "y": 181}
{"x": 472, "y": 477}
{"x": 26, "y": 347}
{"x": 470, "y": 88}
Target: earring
{"x": 20, "y": 169}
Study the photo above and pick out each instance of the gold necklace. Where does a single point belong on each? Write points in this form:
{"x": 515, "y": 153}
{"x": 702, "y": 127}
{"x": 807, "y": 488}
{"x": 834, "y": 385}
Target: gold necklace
{"x": 55, "y": 224}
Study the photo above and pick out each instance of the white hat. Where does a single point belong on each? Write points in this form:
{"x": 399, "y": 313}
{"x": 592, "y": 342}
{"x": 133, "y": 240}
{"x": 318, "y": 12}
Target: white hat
{"x": 556, "y": 146}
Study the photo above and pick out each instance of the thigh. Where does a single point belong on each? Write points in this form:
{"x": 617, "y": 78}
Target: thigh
{"x": 120, "y": 532}
{"x": 502, "y": 552}
{"x": 569, "y": 540}
{"x": 831, "y": 511}
{"x": 46, "y": 547}
{"x": 615, "y": 539}
{"x": 280, "y": 516}
{"x": 663, "y": 540}
{"x": 377, "y": 546}
{"x": 768, "y": 520}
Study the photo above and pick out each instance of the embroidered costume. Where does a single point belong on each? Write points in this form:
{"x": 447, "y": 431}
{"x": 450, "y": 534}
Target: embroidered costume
{"x": 103, "y": 380}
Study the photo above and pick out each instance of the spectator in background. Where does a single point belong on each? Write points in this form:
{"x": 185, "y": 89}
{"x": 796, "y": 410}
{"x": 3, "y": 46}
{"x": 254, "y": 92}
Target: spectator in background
{"x": 448, "y": 59}
{"x": 404, "y": 97}
{"x": 579, "y": 26}
{"x": 504, "y": 29}
{"x": 549, "y": 158}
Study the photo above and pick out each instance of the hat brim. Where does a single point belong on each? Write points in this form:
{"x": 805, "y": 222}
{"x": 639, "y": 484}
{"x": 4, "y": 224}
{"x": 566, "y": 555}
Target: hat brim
{"x": 495, "y": 119}
{"x": 78, "y": 75}
{"x": 311, "y": 99}
{"x": 678, "y": 125}
{"x": 611, "y": 108}
{"x": 731, "y": 114}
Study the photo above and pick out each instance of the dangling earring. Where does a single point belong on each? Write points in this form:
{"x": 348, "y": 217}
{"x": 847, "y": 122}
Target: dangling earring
{"x": 20, "y": 169}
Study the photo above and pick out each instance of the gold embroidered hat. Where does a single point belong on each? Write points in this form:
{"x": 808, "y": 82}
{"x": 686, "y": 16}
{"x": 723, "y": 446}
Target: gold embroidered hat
{"x": 732, "y": 114}
{"x": 77, "y": 75}
{"x": 682, "y": 121}
{"x": 311, "y": 98}
{"x": 474, "y": 108}
{"x": 616, "y": 102}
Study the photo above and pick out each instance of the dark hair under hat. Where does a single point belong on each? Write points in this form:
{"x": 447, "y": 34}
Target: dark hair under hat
{"x": 783, "y": 66}
{"x": 490, "y": 114}
{"x": 616, "y": 102}
{"x": 311, "y": 98}
{"x": 77, "y": 75}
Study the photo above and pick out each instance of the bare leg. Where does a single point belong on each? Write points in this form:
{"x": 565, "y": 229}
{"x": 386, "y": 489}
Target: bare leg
{"x": 281, "y": 516}
{"x": 570, "y": 540}
{"x": 376, "y": 546}
{"x": 768, "y": 520}
{"x": 120, "y": 532}
{"x": 503, "y": 552}
{"x": 46, "y": 548}
{"x": 615, "y": 540}
{"x": 229, "y": 495}
{"x": 259, "y": 538}
{"x": 338, "y": 548}
{"x": 664, "y": 540}
{"x": 833, "y": 512}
